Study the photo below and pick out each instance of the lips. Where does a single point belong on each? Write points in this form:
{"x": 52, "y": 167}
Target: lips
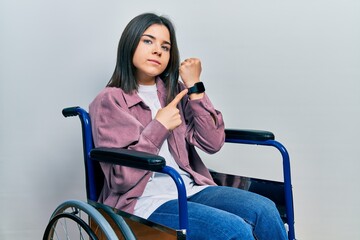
{"x": 154, "y": 61}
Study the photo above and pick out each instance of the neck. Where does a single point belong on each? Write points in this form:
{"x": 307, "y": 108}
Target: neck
{"x": 146, "y": 80}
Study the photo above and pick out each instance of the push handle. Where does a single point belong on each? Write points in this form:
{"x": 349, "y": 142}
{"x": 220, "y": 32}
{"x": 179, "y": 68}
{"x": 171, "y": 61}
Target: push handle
{"x": 71, "y": 111}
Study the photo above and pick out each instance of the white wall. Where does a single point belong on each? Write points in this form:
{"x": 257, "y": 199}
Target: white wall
{"x": 292, "y": 67}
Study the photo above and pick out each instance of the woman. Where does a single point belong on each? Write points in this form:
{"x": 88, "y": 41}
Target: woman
{"x": 146, "y": 108}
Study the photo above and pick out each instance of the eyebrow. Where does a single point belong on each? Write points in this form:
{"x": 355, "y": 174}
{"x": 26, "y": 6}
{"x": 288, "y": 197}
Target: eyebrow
{"x": 152, "y": 37}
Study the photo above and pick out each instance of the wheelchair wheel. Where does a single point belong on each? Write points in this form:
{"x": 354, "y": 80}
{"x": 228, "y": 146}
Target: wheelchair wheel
{"x": 77, "y": 220}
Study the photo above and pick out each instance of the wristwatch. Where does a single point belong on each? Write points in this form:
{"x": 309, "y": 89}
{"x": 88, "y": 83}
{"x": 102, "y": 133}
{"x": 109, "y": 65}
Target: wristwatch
{"x": 197, "y": 88}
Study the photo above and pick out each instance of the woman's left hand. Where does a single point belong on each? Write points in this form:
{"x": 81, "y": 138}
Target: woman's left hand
{"x": 190, "y": 71}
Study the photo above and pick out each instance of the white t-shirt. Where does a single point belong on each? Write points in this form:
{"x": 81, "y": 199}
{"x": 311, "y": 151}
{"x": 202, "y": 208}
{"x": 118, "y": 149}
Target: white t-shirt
{"x": 160, "y": 188}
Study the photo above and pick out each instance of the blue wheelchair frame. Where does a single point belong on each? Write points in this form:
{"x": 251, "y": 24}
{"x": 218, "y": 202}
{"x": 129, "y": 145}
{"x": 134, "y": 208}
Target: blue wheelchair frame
{"x": 156, "y": 163}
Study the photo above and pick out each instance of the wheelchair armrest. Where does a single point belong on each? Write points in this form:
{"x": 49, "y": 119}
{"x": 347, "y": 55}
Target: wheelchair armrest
{"x": 250, "y": 135}
{"x": 128, "y": 158}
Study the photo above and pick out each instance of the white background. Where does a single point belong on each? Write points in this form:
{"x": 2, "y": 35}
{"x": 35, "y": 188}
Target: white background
{"x": 291, "y": 67}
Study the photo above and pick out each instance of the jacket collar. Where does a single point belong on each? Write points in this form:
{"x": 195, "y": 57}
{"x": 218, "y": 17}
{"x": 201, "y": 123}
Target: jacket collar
{"x": 133, "y": 98}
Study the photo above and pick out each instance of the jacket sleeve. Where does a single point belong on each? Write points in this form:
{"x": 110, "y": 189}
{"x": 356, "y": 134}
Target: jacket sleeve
{"x": 205, "y": 125}
{"x": 113, "y": 126}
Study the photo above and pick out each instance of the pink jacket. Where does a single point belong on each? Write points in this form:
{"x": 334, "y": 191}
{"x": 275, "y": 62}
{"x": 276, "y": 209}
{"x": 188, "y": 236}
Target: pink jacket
{"x": 123, "y": 121}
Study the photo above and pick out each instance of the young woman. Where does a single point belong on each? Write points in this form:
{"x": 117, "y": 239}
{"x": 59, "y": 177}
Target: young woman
{"x": 146, "y": 108}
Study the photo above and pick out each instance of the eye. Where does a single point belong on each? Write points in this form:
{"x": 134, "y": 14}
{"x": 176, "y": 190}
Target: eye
{"x": 147, "y": 41}
{"x": 165, "y": 48}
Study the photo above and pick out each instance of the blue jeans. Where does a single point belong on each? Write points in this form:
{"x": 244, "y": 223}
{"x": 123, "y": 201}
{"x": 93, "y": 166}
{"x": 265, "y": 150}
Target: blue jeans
{"x": 225, "y": 213}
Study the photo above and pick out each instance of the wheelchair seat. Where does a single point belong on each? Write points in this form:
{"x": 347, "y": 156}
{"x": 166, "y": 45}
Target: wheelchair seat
{"x": 279, "y": 192}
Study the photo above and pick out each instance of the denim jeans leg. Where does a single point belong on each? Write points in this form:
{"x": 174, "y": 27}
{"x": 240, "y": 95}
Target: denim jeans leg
{"x": 205, "y": 222}
{"x": 257, "y": 210}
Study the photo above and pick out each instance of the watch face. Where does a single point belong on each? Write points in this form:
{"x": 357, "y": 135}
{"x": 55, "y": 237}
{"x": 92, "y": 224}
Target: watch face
{"x": 197, "y": 88}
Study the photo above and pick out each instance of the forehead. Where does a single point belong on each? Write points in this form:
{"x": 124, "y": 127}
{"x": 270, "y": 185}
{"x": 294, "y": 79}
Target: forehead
{"x": 159, "y": 32}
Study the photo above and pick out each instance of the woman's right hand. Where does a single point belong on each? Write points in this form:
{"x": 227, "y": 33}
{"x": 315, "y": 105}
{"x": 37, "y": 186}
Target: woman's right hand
{"x": 169, "y": 116}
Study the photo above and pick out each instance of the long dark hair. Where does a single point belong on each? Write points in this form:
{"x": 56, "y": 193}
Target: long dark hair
{"x": 124, "y": 73}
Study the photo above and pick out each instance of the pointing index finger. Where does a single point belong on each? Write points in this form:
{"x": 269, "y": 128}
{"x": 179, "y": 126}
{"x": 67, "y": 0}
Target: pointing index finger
{"x": 178, "y": 98}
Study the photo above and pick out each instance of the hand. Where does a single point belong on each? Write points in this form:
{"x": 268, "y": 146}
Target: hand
{"x": 169, "y": 116}
{"x": 190, "y": 71}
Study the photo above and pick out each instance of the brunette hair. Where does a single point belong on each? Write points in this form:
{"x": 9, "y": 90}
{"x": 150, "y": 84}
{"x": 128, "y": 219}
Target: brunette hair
{"x": 124, "y": 73}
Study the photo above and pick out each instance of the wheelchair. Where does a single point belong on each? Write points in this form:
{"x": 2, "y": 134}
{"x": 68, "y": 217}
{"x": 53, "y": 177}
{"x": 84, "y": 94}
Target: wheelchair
{"x": 93, "y": 220}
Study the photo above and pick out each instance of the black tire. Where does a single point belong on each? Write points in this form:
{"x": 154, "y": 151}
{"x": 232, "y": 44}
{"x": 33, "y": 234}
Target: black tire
{"x": 51, "y": 231}
{"x": 74, "y": 220}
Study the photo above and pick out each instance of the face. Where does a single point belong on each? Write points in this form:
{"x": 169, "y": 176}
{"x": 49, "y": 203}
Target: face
{"x": 152, "y": 54}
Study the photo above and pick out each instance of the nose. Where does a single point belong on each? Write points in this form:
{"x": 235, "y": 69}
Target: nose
{"x": 157, "y": 50}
